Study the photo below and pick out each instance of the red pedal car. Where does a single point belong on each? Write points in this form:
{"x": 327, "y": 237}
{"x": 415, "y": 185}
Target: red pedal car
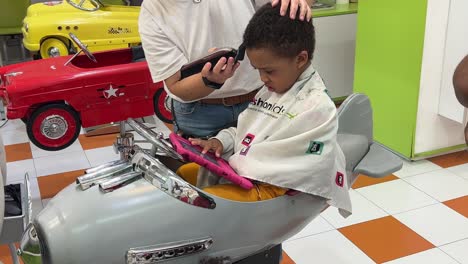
{"x": 56, "y": 96}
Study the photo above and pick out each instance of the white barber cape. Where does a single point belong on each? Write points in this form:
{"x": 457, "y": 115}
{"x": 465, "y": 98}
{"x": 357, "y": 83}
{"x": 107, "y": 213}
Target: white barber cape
{"x": 289, "y": 140}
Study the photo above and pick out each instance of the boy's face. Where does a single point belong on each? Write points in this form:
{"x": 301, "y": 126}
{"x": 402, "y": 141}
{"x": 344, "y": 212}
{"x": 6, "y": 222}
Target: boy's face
{"x": 278, "y": 73}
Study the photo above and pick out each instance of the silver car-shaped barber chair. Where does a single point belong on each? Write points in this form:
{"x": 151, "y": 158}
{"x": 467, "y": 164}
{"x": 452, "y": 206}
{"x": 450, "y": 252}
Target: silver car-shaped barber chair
{"x": 139, "y": 211}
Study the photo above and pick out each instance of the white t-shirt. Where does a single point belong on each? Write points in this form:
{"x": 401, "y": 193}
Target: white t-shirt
{"x": 174, "y": 32}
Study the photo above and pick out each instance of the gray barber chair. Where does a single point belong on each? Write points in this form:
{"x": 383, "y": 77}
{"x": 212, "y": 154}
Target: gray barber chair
{"x": 140, "y": 212}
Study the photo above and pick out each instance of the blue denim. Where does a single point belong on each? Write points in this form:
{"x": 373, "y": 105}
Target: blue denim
{"x": 204, "y": 120}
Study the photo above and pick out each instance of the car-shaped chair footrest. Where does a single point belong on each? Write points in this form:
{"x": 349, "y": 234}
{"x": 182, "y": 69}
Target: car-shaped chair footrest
{"x": 378, "y": 162}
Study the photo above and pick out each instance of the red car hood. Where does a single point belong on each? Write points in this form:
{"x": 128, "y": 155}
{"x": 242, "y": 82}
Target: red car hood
{"x": 38, "y": 71}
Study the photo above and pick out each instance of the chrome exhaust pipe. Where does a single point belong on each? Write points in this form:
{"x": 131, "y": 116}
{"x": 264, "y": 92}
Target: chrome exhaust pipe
{"x": 119, "y": 181}
{"x": 105, "y": 165}
{"x": 88, "y": 180}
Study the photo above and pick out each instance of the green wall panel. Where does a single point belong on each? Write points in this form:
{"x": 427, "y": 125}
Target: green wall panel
{"x": 389, "y": 48}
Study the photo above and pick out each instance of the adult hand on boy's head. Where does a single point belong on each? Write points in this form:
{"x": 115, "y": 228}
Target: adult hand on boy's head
{"x": 212, "y": 144}
{"x": 303, "y": 5}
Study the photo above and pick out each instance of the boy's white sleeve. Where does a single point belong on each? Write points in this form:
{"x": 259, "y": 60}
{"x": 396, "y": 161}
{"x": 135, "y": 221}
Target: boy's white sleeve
{"x": 227, "y": 137}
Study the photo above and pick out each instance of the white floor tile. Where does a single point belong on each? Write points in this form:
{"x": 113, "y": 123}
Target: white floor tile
{"x": 15, "y": 124}
{"x": 432, "y": 256}
{"x": 318, "y": 225}
{"x": 363, "y": 210}
{"x": 14, "y": 136}
{"x": 457, "y": 250}
{"x": 438, "y": 224}
{"x": 61, "y": 163}
{"x": 411, "y": 168}
{"x": 328, "y": 247}
{"x": 460, "y": 170}
{"x": 161, "y": 127}
{"x": 99, "y": 156}
{"x": 39, "y": 153}
{"x": 396, "y": 196}
{"x": 443, "y": 185}
{"x": 17, "y": 169}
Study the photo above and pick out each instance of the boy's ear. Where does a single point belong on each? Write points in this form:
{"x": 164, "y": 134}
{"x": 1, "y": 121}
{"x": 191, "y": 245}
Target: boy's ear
{"x": 302, "y": 58}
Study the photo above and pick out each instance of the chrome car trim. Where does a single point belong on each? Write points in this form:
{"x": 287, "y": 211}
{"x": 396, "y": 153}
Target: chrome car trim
{"x": 105, "y": 165}
{"x": 167, "y": 181}
{"x": 169, "y": 251}
{"x": 79, "y": 6}
{"x": 53, "y": 52}
{"x": 119, "y": 181}
{"x": 13, "y": 74}
{"x": 154, "y": 138}
{"x": 30, "y": 246}
{"x": 29, "y": 213}
{"x": 97, "y": 177}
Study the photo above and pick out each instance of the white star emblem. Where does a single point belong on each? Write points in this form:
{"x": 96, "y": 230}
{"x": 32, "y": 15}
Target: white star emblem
{"x": 110, "y": 92}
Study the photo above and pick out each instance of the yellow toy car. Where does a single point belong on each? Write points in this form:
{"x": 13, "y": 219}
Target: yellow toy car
{"x": 47, "y": 25}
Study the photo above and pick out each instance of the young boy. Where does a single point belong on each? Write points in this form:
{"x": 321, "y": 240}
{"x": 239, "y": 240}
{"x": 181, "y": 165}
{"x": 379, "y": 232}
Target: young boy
{"x": 286, "y": 138}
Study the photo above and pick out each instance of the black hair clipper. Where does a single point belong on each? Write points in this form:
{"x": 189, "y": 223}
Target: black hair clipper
{"x": 196, "y": 66}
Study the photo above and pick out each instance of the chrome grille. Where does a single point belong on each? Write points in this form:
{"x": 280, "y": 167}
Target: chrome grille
{"x": 164, "y": 252}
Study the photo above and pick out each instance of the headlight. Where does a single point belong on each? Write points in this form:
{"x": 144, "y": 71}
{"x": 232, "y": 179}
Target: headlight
{"x": 30, "y": 247}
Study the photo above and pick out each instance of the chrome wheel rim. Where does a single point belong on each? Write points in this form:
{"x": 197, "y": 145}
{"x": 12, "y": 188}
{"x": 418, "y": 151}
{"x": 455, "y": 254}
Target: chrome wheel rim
{"x": 54, "y": 127}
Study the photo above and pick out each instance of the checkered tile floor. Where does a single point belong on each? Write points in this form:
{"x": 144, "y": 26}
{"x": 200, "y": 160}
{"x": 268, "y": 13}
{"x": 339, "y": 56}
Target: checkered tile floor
{"x": 416, "y": 216}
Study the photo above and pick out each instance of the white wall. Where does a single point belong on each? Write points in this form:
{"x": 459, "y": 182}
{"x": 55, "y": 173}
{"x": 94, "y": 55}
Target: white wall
{"x": 335, "y": 52}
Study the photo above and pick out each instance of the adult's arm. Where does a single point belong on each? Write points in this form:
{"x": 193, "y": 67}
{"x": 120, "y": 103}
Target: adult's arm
{"x": 460, "y": 82}
{"x": 165, "y": 59}
{"x": 193, "y": 88}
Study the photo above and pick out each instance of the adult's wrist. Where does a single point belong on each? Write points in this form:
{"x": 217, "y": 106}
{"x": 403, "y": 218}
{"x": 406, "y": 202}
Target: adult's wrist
{"x": 211, "y": 84}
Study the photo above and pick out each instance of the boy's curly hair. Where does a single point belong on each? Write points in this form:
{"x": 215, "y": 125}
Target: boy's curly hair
{"x": 284, "y": 36}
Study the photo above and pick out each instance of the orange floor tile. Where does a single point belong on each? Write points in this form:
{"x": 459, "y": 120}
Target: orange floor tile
{"x": 287, "y": 259}
{"x": 363, "y": 181}
{"x": 451, "y": 160}
{"x": 18, "y": 152}
{"x": 460, "y": 205}
{"x": 170, "y": 126}
{"x": 97, "y": 141}
{"x": 385, "y": 239}
{"x": 50, "y": 185}
{"x": 5, "y": 256}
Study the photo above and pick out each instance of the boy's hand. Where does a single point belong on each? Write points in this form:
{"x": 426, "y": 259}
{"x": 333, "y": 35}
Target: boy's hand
{"x": 213, "y": 145}
{"x": 303, "y": 5}
{"x": 223, "y": 70}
